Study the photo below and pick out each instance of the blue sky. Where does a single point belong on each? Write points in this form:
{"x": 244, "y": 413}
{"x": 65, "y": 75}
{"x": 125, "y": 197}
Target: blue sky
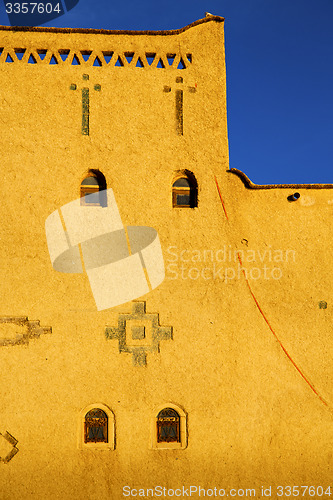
{"x": 279, "y": 75}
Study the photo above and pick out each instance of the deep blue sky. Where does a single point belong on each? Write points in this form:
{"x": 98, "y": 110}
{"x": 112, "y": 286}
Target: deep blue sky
{"x": 279, "y": 75}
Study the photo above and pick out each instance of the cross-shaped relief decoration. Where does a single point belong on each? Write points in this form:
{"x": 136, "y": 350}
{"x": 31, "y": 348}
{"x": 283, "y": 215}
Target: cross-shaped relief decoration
{"x": 179, "y": 98}
{"x": 85, "y": 102}
{"x": 139, "y": 333}
{"x": 19, "y": 330}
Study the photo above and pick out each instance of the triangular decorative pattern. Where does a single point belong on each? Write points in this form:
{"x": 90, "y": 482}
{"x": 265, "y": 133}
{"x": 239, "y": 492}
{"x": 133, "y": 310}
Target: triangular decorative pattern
{"x": 9, "y": 59}
{"x": 19, "y": 53}
{"x": 160, "y": 64}
{"x": 53, "y": 60}
{"x": 86, "y": 54}
{"x": 119, "y": 62}
{"x": 171, "y": 59}
{"x": 63, "y": 54}
{"x": 75, "y": 60}
{"x": 97, "y": 61}
{"x": 150, "y": 56}
{"x": 42, "y": 54}
{"x": 110, "y": 58}
{"x": 129, "y": 56}
{"x": 32, "y": 59}
{"x": 181, "y": 64}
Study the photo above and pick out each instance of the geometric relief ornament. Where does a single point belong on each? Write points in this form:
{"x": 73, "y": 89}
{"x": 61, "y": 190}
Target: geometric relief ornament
{"x": 7, "y": 447}
{"x": 139, "y": 333}
{"x": 19, "y": 330}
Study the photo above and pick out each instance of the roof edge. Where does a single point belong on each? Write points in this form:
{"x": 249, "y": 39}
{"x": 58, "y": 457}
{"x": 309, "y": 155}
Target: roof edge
{"x": 94, "y": 31}
{"x": 250, "y": 185}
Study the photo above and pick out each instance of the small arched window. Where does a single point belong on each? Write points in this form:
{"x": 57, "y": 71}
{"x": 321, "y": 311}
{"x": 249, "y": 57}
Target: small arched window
{"x": 92, "y": 189}
{"x": 184, "y": 191}
{"x": 96, "y": 426}
{"x": 168, "y": 426}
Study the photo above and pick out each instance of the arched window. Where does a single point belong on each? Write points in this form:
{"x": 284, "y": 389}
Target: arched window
{"x": 96, "y": 426}
{"x": 168, "y": 426}
{"x": 92, "y": 189}
{"x": 184, "y": 191}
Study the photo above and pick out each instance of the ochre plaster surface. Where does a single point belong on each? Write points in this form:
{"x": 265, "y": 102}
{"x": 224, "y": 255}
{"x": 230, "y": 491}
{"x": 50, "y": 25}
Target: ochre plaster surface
{"x": 249, "y": 362}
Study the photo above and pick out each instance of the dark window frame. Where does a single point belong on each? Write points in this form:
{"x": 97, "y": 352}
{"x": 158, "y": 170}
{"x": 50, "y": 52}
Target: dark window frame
{"x": 190, "y": 191}
{"x": 167, "y": 418}
{"x": 94, "y": 422}
{"x": 98, "y": 185}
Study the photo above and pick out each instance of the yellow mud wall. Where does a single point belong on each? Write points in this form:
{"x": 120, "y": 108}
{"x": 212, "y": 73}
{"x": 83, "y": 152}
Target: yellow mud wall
{"x": 249, "y": 362}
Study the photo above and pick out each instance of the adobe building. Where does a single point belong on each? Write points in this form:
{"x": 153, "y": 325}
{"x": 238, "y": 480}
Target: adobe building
{"x": 164, "y": 322}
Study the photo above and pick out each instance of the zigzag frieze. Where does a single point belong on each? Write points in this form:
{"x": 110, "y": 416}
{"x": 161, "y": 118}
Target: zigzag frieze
{"x": 109, "y": 58}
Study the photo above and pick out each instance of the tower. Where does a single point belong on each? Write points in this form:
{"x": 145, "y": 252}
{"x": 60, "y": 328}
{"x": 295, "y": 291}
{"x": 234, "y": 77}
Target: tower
{"x": 207, "y": 378}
